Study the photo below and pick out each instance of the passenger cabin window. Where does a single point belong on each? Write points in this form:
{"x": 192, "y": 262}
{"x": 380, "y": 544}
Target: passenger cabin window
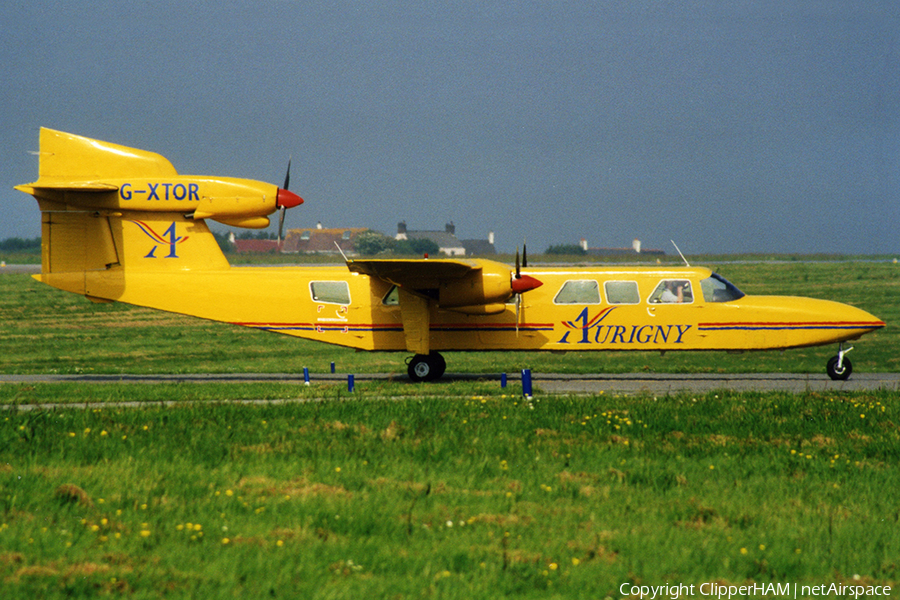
{"x": 347, "y": 235}
{"x": 622, "y": 292}
{"x": 716, "y": 288}
{"x": 672, "y": 291}
{"x": 578, "y": 292}
{"x": 330, "y": 292}
{"x": 306, "y": 235}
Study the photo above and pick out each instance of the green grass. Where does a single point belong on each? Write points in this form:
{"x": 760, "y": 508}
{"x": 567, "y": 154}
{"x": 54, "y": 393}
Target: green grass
{"x": 470, "y": 496}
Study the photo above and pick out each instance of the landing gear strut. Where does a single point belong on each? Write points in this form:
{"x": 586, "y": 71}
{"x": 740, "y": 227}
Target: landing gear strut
{"x": 839, "y": 367}
{"x": 426, "y": 367}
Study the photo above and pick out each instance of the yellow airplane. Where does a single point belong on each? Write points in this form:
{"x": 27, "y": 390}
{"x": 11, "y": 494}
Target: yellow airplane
{"x": 120, "y": 224}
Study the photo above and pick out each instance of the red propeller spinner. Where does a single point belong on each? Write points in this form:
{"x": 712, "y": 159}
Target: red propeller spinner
{"x": 287, "y": 199}
{"x": 524, "y": 283}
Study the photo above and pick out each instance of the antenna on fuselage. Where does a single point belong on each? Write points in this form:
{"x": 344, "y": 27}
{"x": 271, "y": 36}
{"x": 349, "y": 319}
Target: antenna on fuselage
{"x": 686, "y": 263}
{"x": 342, "y": 252}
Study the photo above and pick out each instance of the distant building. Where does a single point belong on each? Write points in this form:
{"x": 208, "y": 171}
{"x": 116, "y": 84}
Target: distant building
{"x": 321, "y": 240}
{"x": 447, "y": 241}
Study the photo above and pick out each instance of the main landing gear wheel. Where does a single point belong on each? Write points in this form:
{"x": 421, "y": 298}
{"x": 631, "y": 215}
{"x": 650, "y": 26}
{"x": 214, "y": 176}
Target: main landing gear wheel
{"x": 838, "y": 369}
{"x": 423, "y": 367}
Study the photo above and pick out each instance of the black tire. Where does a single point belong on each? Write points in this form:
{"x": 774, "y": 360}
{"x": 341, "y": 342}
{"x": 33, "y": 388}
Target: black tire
{"x": 426, "y": 368}
{"x": 440, "y": 365}
{"x": 841, "y": 374}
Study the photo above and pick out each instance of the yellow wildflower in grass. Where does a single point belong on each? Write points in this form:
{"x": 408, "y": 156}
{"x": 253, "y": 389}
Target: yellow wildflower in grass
{"x": 553, "y": 566}
{"x": 575, "y": 562}
{"x": 762, "y": 546}
{"x": 226, "y": 541}
{"x": 229, "y": 493}
{"x": 145, "y": 533}
{"x": 743, "y": 551}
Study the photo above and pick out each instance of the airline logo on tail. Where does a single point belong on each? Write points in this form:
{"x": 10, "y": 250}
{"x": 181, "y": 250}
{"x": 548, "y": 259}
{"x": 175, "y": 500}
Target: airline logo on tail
{"x": 168, "y": 238}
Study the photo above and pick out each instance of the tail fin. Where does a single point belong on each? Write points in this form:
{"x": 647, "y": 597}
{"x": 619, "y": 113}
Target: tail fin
{"x": 94, "y": 254}
{"x": 90, "y": 244}
{"x": 65, "y": 158}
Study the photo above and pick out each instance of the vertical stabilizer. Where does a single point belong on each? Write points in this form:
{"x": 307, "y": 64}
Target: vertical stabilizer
{"x": 65, "y": 157}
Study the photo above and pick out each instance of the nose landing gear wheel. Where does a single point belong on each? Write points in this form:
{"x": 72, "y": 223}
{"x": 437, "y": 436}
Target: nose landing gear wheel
{"x": 423, "y": 367}
{"x": 839, "y": 373}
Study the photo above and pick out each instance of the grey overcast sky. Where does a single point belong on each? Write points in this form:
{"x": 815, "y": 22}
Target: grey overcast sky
{"x": 736, "y": 126}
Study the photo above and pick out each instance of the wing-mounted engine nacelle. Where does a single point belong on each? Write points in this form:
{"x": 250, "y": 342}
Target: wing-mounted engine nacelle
{"x": 484, "y": 291}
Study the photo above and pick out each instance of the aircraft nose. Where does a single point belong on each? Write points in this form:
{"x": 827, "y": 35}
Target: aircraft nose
{"x": 287, "y": 199}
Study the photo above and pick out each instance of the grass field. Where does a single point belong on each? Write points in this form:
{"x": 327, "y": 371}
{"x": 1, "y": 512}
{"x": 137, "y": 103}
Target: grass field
{"x": 460, "y": 490}
{"x": 474, "y": 496}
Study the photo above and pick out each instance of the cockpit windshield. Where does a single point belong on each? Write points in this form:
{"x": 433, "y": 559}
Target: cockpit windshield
{"x": 718, "y": 289}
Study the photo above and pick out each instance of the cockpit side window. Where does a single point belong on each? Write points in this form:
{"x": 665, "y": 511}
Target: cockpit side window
{"x": 672, "y": 291}
{"x": 330, "y": 292}
{"x": 578, "y": 291}
{"x": 716, "y": 288}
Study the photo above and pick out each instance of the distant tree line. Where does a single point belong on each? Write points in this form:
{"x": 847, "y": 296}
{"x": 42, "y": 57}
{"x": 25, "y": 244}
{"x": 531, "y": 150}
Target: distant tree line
{"x": 372, "y": 243}
{"x": 566, "y": 249}
{"x": 20, "y": 245}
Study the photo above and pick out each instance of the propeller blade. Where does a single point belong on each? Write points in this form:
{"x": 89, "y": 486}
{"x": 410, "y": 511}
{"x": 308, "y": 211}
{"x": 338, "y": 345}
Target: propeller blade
{"x": 287, "y": 176}
{"x": 285, "y": 197}
{"x": 281, "y": 212}
{"x": 518, "y": 269}
{"x": 524, "y": 255}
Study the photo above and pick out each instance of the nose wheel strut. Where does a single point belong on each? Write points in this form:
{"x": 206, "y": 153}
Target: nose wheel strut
{"x": 839, "y": 367}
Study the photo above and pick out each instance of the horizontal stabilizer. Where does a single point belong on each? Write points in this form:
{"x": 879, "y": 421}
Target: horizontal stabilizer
{"x": 79, "y": 186}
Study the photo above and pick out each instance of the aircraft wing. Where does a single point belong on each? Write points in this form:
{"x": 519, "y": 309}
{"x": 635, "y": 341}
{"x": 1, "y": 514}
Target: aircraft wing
{"x": 415, "y": 274}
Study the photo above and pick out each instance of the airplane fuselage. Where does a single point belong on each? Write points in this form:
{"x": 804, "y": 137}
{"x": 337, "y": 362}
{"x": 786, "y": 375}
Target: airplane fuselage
{"x": 332, "y": 305}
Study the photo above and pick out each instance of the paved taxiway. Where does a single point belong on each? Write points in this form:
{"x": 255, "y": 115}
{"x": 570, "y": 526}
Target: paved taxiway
{"x": 550, "y": 383}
